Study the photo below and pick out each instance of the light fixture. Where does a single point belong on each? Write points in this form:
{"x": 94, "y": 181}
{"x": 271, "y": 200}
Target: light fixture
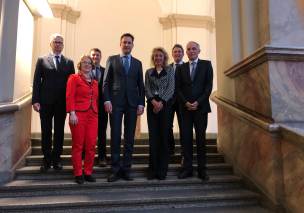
{"x": 40, "y": 8}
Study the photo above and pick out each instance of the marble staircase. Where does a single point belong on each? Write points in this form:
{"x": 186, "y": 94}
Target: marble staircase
{"x": 55, "y": 191}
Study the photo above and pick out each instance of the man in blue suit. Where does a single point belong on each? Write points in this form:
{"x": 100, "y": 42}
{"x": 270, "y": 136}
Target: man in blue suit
{"x": 124, "y": 97}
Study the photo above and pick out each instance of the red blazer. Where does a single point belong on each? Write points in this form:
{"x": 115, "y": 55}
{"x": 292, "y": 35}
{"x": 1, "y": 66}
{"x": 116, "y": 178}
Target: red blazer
{"x": 81, "y": 95}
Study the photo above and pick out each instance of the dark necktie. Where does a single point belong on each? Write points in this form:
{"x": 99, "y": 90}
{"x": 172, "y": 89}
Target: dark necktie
{"x": 97, "y": 74}
{"x": 192, "y": 74}
{"x": 125, "y": 62}
{"x": 57, "y": 62}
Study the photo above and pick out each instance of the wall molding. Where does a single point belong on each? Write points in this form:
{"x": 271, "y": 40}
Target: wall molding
{"x": 183, "y": 20}
{"x": 16, "y": 105}
{"x": 264, "y": 54}
{"x": 65, "y": 12}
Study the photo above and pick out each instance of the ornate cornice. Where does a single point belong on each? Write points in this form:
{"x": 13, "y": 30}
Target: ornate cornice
{"x": 17, "y": 104}
{"x": 65, "y": 12}
{"x": 264, "y": 54}
{"x": 182, "y": 20}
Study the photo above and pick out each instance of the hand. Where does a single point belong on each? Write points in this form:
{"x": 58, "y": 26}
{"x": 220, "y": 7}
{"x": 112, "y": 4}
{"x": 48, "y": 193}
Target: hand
{"x": 194, "y": 105}
{"x": 140, "y": 109}
{"x": 36, "y": 107}
{"x": 108, "y": 107}
{"x": 73, "y": 118}
{"x": 188, "y": 106}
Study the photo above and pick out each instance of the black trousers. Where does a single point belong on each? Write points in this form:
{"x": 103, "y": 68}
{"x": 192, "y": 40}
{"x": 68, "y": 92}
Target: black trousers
{"x": 48, "y": 113}
{"x": 198, "y": 120}
{"x": 158, "y": 125}
{"x": 130, "y": 115}
{"x": 102, "y": 133}
{"x": 175, "y": 108}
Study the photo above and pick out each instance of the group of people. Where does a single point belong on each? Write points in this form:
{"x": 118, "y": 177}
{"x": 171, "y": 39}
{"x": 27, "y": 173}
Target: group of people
{"x": 119, "y": 91}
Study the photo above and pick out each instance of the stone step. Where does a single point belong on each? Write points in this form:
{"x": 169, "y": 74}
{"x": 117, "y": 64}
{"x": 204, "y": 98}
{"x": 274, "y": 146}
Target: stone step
{"x": 35, "y": 160}
{"x": 142, "y": 141}
{"x": 131, "y": 199}
{"x": 51, "y": 187}
{"x": 138, "y": 149}
{"x": 138, "y": 170}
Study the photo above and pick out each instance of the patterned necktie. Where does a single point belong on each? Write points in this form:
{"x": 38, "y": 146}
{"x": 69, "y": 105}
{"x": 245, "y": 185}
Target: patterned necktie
{"x": 125, "y": 62}
{"x": 192, "y": 73}
{"x": 57, "y": 62}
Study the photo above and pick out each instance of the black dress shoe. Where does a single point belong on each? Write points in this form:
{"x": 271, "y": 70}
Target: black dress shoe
{"x": 161, "y": 177}
{"x": 89, "y": 178}
{"x": 57, "y": 166}
{"x": 184, "y": 174}
{"x": 151, "y": 176}
{"x": 45, "y": 166}
{"x": 113, "y": 177}
{"x": 79, "y": 179}
{"x": 126, "y": 176}
{"x": 203, "y": 176}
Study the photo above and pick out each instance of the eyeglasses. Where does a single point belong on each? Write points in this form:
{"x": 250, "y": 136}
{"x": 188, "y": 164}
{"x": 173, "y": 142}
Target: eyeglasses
{"x": 57, "y": 42}
{"x": 86, "y": 63}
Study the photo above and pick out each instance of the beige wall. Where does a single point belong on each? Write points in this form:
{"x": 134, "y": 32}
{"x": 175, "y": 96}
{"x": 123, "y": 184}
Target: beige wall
{"x": 102, "y": 22}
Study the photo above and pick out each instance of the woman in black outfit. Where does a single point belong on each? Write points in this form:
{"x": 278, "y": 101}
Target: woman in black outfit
{"x": 159, "y": 88}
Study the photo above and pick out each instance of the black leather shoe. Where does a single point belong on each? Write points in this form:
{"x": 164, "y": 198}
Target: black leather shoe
{"x": 113, "y": 177}
{"x": 126, "y": 176}
{"x": 79, "y": 179}
{"x": 203, "y": 176}
{"x": 57, "y": 166}
{"x": 161, "y": 177}
{"x": 45, "y": 166}
{"x": 89, "y": 178}
{"x": 184, "y": 174}
{"x": 151, "y": 176}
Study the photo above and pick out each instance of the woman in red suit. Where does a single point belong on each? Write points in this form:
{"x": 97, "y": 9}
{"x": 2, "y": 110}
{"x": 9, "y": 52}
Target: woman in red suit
{"x": 81, "y": 103}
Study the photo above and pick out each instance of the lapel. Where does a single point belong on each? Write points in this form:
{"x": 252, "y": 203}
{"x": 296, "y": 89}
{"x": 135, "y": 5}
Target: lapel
{"x": 62, "y": 62}
{"x": 187, "y": 70}
{"x": 51, "y": 62}
{"x": 196, "y": 70}
{"x": 131, "y": 65}
{"x": 118, "y": 62}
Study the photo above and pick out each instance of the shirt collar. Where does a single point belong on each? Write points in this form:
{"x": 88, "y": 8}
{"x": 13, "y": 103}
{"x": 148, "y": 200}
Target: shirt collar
{"x": 53, "y": 55}
{"x": 128, "y": 56}
{"x": 196, "y": 60}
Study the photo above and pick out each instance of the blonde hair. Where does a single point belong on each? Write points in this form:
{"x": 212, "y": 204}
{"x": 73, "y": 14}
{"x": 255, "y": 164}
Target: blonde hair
{"x": 163, "y": 51}
{"x": 81, "y": 60}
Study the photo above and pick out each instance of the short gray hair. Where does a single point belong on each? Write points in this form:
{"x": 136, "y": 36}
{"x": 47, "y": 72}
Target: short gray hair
{"x": 194, "y": 42}
{"x": 55, "y": 35}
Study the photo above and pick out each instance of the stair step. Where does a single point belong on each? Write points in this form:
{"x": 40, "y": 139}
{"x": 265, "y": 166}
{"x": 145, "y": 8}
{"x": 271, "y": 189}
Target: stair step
{"x": 35, "y": 160}
{"x": 36, "y": 150}
{"x": 142, "y": 141}
{"x": 134, "y": 199}
{"x": 139, "y": 170}
{"x": 50, "y": 187}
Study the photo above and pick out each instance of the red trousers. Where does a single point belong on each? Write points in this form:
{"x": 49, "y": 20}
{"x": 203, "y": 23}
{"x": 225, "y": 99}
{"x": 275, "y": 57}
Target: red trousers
{"x": 84, "y": 135}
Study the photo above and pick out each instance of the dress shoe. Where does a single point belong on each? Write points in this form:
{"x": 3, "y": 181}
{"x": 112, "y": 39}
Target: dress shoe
{"x": 151, "y": 176}
{"x": 89, "y": 178}
{"x": 171, "y": 152}
{"x": 45, "y": 167}
{"x": 126, "y": 176}
{"x": 203, "y": 176}
{"x": 102, "y": 163}
{"x": 79, "y": 179}
{"x": 161, "y": 177}
{"x": 184, "y": 174}
{"x": 57, "y": 166}
{"x": 113, "y": 177}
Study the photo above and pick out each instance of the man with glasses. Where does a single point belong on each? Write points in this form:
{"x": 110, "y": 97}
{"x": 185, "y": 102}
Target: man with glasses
{"x": 49, "y": 91}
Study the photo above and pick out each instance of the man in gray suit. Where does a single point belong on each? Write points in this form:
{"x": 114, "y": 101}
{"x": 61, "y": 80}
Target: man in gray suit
{"x": 124, "y": 97}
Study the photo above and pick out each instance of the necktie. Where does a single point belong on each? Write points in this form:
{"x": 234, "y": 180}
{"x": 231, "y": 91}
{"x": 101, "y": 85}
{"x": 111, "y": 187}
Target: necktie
{"x": 192, "y": 73}
{"x": 57, "y": 62}
{"x": 97, "y": 74}
{"x": 125, "y": 62}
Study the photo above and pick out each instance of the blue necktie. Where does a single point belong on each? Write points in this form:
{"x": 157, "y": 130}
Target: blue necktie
{"x": 125, "y": 62}
{"x": 57, "y": 62}
{"x": 192, "y": 74}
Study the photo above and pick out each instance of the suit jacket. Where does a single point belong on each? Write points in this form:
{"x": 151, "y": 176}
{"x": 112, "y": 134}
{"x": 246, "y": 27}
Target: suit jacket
{"x": 49, "y": 84}
{"x": 121, "y": 88}
{"x": 81, "y": 95}
{"x": 197, "y": 90}
{"x": 100, "y": 88}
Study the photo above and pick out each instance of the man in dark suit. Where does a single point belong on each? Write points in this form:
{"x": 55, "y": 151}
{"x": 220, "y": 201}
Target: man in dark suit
{"x": 177, "y": 54}
{"x": 49, "y": 88}
{"x": 124, "y": 97}
{"x": 194, "y": 86}
{"x": 97, "y": 74}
